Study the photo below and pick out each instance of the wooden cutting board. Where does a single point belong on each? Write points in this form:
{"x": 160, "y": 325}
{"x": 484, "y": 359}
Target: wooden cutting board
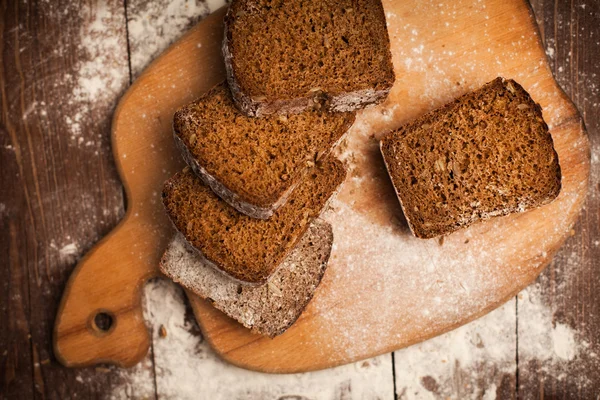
{"x": 384, "y": 289}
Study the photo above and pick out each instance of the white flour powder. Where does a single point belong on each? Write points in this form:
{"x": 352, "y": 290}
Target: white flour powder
{"x": 185, "y": 365}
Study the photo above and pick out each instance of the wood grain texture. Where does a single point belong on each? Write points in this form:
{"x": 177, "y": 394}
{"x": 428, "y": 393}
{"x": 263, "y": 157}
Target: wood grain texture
{"x": 76, "y": 166}
{"x": 471, "y": 53}
{"x": 327, "y": 333}
{"x": 570, "y": 286}
{"x": 110, "y": 278}
{"x": 60, "y": 190}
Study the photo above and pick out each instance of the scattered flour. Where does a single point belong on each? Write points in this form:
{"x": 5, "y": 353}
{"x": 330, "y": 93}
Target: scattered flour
{"x": 186, "y": 365}
{"x": 154, "y": 25}
{"x": 484, "y": 349}
{"x": 102, "y": 74}
{"x": 487, "y": 348}
{"x": 66, "y": 252}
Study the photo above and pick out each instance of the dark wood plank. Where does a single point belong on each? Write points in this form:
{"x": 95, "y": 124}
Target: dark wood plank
{"x": 64, "y": 65}
{"x": 60, "y": 190}
{"x": 570, "y": 287}
{"x": 474, "y": 361}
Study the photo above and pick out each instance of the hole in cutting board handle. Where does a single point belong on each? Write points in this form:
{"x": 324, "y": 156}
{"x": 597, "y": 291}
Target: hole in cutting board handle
{"x": 103, "y": 322}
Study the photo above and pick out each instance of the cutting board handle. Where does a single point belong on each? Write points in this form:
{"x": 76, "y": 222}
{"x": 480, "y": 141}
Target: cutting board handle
{"x": 100, "y": 318}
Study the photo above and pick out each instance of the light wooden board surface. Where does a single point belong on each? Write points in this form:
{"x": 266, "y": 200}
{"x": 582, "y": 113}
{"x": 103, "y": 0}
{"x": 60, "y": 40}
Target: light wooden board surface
{"x": 75, "y": 190}
{"x": 404, "y": 290}
{"x": 384, "y": 289}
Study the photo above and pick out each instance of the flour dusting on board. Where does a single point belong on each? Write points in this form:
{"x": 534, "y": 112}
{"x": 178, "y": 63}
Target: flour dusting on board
{"x": 447, "y": 276}
{"x": 429, "y": 370}
{"x": 186, "y": 365}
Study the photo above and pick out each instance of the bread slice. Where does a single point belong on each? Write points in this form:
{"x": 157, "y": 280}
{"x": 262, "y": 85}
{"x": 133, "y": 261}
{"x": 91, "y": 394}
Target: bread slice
{"x": 246, "y": 248}
{"x": 285, "y": 56}
{"x": 486, "y": 154}
{"x": 268, "y": 309}
{"x": 253, "y": 163}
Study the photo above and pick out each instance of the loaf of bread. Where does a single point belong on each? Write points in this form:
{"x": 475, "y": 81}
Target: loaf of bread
{"x": 286, "y": 56}
{"x": 246, "y": 248}
{"x": 486, "y": 154}
{"x": 270, "y": 308}
{"x": 253, "y": 163}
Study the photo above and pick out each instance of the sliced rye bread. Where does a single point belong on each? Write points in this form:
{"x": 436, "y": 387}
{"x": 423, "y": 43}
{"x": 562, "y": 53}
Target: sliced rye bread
{"x": 246, "y": 248}
{"x": 488, "y": 153}
{"x": 253, "y": 163}
{"x": 268, "y": 309}
{"x": 287, "y": 56}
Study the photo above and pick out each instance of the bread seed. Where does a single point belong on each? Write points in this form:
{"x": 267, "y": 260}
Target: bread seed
{"x": 162, "y": 331}
{"x": 186, "y": 169}
{"x": 425, "y": 126}
{"x": 276, "y": 291}
{"x": 190, "y": 225}
{"x": 310, "y": 164}
{"x": 510, "y": 87}
{"x": 522, "y": 106}
{"x": 440, "y": 165}
{"x": 193, "y": 139}
{"x": 285, "y": 177}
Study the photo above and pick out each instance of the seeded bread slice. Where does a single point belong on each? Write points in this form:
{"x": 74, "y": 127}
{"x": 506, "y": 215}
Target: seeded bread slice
{"x": 286, "y": 56}
{"x": 246, "y": 248}
{"x": 268, "y": 309}
{"x": 488, "y": 153}
{"x": 253, "y": 163}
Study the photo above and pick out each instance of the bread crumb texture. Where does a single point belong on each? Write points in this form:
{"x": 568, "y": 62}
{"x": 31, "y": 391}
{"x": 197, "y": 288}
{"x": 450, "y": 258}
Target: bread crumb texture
{"x": 258, "y": 159}
{"x": 488, "y": 153}
{"x": 270, "y": 308}
{"x": 282, "y": 50}
{"x": 246, "y": 248}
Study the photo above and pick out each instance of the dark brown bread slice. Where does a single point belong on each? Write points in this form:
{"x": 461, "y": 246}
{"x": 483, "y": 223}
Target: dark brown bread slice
{"x": 268, "y": 309}
{"x": 253, "y": 163}
{"x": 284, "y": 56}
{"x": 486, "y": 154}
{"x": 246, "y": 248}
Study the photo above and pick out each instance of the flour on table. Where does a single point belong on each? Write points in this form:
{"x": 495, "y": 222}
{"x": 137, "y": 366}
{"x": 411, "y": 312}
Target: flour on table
{"x": 186, "y": 366}
{"x": 429, "y": 370}
{"x": 100, "y": 77}
{"x": 154, "y": 25}
{"x": 67, "y": 251}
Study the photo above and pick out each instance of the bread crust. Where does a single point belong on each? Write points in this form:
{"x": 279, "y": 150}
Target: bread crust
{"x": 301, "y": 264}
{"x": 222, "y": 248}
{"x": 335, "y": 102}
{"x": 256, "y": 206}
{"x": 427, "y": 229}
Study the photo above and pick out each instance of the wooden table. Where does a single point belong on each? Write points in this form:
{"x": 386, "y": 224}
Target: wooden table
{"x": 63, "y": 67}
